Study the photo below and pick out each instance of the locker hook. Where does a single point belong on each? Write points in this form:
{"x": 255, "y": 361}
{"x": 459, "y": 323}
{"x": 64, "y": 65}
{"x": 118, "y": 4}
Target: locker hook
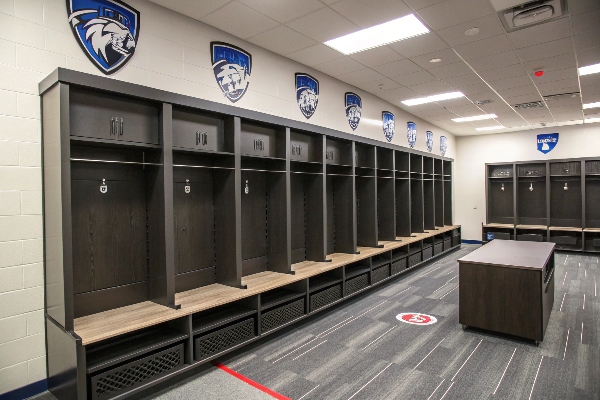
{"x": 187, "y": 187}
{"x": 566, "y": 187}
{"x": 502, "y": 188}
{"x": 246, "y": 189}
{"x": 531, "y": 187}
{"x": 103, "y": 187}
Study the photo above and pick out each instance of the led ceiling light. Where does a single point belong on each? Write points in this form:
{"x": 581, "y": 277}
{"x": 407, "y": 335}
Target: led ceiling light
{"x": 591, "y": 120}
{"x": 475, "y": 118}
{"x": 431, "y": 99}
{"x": 591, "y": 105}
{"x": 379, "y": 35}
{"x": 435, "y": 60}
{"x": 590, "y": 69}
{"x": 490, "y": 128}
{"x": 472, "y": 31}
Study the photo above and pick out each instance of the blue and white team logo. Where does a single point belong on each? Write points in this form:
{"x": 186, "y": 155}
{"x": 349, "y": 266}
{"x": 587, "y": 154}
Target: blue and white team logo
{"x": 353, "y": 109}
{"x": 411, "y": 133}
{"x": 389, "y": 125}
{"x": 106, "y": 30}
{"x": 547, "y": 142}
{"x": 429, "y": 140}
{"x": 232, "y": 67}
{"x": 443, "y": 145}
{"x": 307, "y": 94}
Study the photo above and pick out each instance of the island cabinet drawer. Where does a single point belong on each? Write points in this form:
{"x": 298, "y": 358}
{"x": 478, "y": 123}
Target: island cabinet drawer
{"x": 103, "y": 116}
{"x": 194, "y": 131}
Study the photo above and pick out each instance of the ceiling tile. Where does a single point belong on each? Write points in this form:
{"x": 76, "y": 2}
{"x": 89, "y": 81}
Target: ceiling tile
{"x": 401, "y": 93}
{"x": 466, "y": 110}
{"x": 282, "y": 40}
{"x": 314, "y": 55}
{"x": 519, "y": 91}
{"x": 415, "y": 78}
{"x": 453, "y": 12}
{"x": 419, "y": 4}
{"x": 547, "y": 32}
{"x": 431, "y": 88}
{"x": 566, "y": 85}
{"x": 484, "y": 47}
{"x": 589, "y": 80}
{"x": 323, "y": 25}
{"x": 281, "y": 10}
{"x": 479, "y": 90}
{"x": 587, "y": 22}
{"x": 496, "y": 74}
{"x": 585, "y": 41}
{"x": 497, "y": 107}
{"x": 373, "y": 12}
{"x": 523, "y": 98}
{"x": 458, "y": 82}
{"x": 545, "y": 50}
{"x": 508, "y": 83}
{"x": 194, "y": 9}
{"x": 233, "y": 18}
{"x": 451, "y": 70}
{"x": 360, "y": 76}
{"x": 556, "y": 75}
{"x": 488, "y": 26}
{"x": 418, "y": 45}
{"x": 588, "y": 56}
{"x": 495, "y": 61}
{"x": 440, "y": 113}
{"x": 339, "y": 66}
{"x": 448, "y": 56}
{"x": 590, "y": 97}
{"x": 376, "y": 56}
{"x": 396, "y": 68}
{"x": 582, "y": 6}
{"x": 552, "y": 63}
{"x": 378, "y": 86}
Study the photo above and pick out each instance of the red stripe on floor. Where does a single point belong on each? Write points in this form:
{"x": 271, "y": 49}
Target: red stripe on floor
{"x": 250, "y": 382}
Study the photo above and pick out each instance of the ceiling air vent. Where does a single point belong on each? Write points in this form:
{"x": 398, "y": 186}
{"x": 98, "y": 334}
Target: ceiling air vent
{"x": 562, "y": 96}
{"x": 531, "y": 13}
{"x": 531, "y": 104}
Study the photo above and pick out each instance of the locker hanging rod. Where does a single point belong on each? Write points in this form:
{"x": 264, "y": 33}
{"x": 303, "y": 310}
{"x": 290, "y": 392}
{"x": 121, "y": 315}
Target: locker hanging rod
{"x": 260, "y": 170}
{"x": 200, "y": 166}
{"x": 113, "y": 161}
{"x": 311, "y": 173}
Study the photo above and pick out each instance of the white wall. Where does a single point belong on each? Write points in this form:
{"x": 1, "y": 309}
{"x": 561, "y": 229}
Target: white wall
{"x": 473, "y": 152}
{"x": 172, "y": 54}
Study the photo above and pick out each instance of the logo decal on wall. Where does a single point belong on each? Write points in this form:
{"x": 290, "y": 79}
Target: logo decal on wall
{"x": 353, "y": 109}
{"x": 411, "y": 133}
{"x": 307, "y": 94}
{"x": 443, "y": 145}
{"x": 388, "y": 125}
{"x": 416, "y": 318}
{"x": 232, "y": 67}
{"x": 429, "y": 140}
{"x": 106, "y": 30}
{"x": 546, "y": 142}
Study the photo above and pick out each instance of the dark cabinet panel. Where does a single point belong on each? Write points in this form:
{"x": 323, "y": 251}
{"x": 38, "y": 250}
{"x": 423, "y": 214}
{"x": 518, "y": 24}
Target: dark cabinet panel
{"x": 194, "y": 220}
{"x": 109, "y": 229}
{"x": 258, "y": 141}
{"x": 254, "y": 214}
{"x": 298, "y": 216}
{"x": 194, "y": 131}
{"x": 104, "y": 116}
{"x": 500, "y": 201}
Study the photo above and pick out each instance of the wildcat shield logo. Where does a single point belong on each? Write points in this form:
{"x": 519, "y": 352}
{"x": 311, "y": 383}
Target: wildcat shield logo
{"x": 547, "y": 142}
{"x": 411, "y": 133}
{"x": 389, "y": 125}
{"x": 443, "y": 145}
{"x": 429, "y": 140}
{"x": 232, "y": 67}
{"x": 106, "y": 30}
{"x": 307, "y": 94}
{"x": 353, "y": 109}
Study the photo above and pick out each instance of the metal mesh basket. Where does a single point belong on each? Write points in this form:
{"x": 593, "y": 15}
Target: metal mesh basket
{"x": 126, "y": 377}
{"x": 222, "y": 339}
{"x": 281, "y": 315}
{"x": 447, "y": 243}
{"x": 380, "y": 273}
{"x": 438, "y": 248}
{"x": 414, "y": 259}
{"x": 325, "y": 297}
{"x": 427, "y": 253}
{"x": 398, "y": 266}
{"x": 357, "y": 283}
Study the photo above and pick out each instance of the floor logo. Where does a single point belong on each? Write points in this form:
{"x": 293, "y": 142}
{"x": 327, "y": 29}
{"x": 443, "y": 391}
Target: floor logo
{"x": 232, "y": 67}
{"x": 307, "y": 94}
{"x": 353, "y": 109}
{"x": 546, "y": 142}
{"x": 106, "y": 30}
{"x": 388, "y": 125}
{"x": 416, "y": 318}
{"x": 411, "y": 133}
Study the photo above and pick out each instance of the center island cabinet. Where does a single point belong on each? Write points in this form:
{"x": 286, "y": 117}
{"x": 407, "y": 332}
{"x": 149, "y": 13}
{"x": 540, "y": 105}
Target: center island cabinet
{"x": 178, "y": 229}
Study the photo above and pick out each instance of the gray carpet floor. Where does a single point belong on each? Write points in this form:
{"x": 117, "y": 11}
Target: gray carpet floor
{"x": 359, "y": 350}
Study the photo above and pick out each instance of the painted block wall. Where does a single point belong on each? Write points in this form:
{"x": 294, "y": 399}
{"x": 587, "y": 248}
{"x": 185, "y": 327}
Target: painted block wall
{"x": 172, "y": 54}
{"x": 473, "y": 152}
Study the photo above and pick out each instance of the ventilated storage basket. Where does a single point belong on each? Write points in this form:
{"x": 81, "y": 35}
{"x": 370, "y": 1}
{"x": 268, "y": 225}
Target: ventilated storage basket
{"x": 414, "y": 259}
{"x": 222, "y": 339}
{"x": 427, "y": 252}
{"x": 398, "y": 266}
{"x": 380, "y": 273}
{"x": 324, "y": 297}
{"x": 281, "y": 315}
{"x": 357, "y": 283}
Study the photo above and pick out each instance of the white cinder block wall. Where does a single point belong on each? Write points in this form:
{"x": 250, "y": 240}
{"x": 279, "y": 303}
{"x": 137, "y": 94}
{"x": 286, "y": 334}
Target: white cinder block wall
{"x": 172, "y": 54}
{"x": 473, "y": 152}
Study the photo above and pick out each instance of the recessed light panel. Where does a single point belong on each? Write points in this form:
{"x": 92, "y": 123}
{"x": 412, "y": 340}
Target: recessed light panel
{"x": 475, "y": 118}
{"x": 490, "y": 128}
{"x": 591, "y": 120}
{"x": 591, "y": 105}
{"x": 379, "y": 35}
{"x": 590, "y": 69}
{"x": 431, "y": 99}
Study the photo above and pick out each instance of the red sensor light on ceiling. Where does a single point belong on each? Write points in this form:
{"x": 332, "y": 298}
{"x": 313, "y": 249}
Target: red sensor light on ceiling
{"x": 539, "y": 73}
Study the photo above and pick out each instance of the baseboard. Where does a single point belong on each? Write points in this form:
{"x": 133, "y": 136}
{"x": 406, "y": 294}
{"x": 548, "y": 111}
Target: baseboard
{"x": 24, "y": 392}
{"x": 465, "y": 241}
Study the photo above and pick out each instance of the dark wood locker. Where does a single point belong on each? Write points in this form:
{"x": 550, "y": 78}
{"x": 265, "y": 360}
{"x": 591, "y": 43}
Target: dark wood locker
{"x": 254, "y": 221}
{"x": 197, "y": 131}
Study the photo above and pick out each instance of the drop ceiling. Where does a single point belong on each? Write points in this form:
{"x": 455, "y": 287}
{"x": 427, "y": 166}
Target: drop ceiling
{"x": 491, "y": 65}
